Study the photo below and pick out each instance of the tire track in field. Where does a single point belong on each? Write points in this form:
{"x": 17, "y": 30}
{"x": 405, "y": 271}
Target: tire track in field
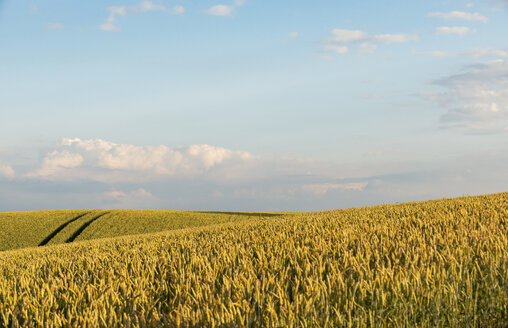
{"x": 83, "y": 227}
{"x": 60, "y": 228}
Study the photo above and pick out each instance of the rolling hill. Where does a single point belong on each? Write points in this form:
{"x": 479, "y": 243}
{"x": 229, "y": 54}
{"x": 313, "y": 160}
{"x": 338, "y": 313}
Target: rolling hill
{"x": 40, "y": 228}
{"x": 441, "y": 263}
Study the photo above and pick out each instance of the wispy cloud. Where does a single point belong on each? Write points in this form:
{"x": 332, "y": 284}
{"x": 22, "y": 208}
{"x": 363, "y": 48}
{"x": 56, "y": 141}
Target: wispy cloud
{"x": 476, "y": 99}
{"x": 436, "y": 53}
{"x": 472, "y": 53}
{"x": 224, "y": 10}
{"x": 319, "y": 189}
{"x": 220, "y": 10}
{"x": 7, "y": 172}
{"x": 138, "y": 198}
{"x": 336, "y": 49}
{"x": 458, "y": 30}
{"x": 341, "y": 39}
{"x": 459, "y": 15}
{"x": 179, "y": 10}
{"x": 146, "y": 6}
{"x": 484, "y": 52}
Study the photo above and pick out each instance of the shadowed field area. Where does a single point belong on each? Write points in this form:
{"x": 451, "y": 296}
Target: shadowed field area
{"x": 39, "y": 228}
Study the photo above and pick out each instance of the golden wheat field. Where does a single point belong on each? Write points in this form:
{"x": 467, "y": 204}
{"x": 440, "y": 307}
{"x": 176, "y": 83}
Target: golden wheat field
{"x": 441, "y": 263}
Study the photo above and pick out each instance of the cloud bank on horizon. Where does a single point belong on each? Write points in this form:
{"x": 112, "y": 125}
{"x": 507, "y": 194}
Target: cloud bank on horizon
{"x": 89, "y": 173}
{"x": 236, "y": 105}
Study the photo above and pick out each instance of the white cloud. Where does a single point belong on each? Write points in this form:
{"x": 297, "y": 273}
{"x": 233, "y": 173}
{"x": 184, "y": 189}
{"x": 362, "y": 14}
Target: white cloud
{"x": 56, "y": 162}
{"x": 394, "y": 38}
{"x": 436, "y": 53}
{"x": 243, "y": 183}
{"x": 139, "y": 198}
{"x": 346, "y": 36}
{"x": 352, "y": 36}
{"x": 145, "y": 6}
{"x": 7, "y": 172}
{"x": 95, "y": 158}
{"x": 224, "y": 10}
{"x": 179, "y": 10}
{"x": 460, "y": 15}
{"x": 367, "y": 47}
{"x": 336, "y": 48}
{"x": 476, "y": 98}
{"x": 366, "y": 43}
{"x": 136, "y": 194}
{"x": 473, "y": 53}
{"x": 221, "y": 10}
{"x": 458, "y": 30}
{"x": 54, "y": 26}
{"x": 216, "y": 169}
{"x": 293, "y": 35}
{"x": 482, "y": 52}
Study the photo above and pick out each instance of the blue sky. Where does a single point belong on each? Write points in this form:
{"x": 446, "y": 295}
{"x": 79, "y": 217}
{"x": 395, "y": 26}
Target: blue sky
{"x": 250, "y": 105}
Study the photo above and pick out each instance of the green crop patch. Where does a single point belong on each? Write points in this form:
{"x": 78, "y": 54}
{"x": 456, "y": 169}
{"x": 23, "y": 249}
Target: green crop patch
{"x": 28, "y": 229}
{"x": 40, "y": 228}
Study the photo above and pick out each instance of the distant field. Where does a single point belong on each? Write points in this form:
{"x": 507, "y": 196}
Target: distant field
{"x": 38, "y": 228}
{"x": 440, "y": 263}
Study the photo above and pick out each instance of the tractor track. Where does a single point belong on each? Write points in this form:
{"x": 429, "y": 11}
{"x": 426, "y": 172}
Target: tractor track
{"x": 83, "y": 227}
{"x": 60, "y": 228}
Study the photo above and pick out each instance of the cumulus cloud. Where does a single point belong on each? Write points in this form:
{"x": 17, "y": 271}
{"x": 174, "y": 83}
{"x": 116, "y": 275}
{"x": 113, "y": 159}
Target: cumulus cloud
{"x": 293, "y": 35}
{"x": 460, "y": 15}
{"x": 114, "y": 12}
{"x": 99, "y": 160}
{"x": 224, "y": 10}
{"x": 458, "y": 30}
{"x": 80, "y": 173}
{"x": 56, "y": 162}
{"x": 340, "y": 39}
{"x": 476, "y": 98}
{"x": 130, "y": 171}
{"x": 7, "y": 172}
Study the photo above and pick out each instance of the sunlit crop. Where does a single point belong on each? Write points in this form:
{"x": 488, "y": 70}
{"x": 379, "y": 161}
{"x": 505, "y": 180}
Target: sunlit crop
{"x": 426, "y": 264}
